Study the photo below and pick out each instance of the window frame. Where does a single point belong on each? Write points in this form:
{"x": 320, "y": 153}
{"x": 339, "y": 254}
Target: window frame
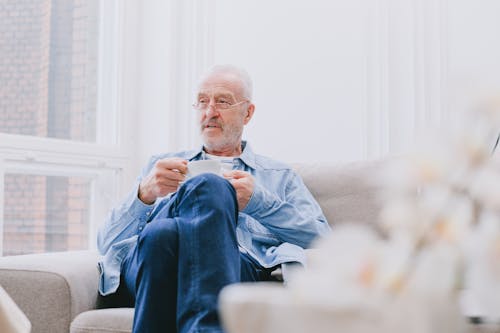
{"x": 107, "y": 161}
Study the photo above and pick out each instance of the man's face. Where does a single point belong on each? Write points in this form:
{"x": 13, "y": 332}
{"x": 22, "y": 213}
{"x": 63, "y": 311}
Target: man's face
{"x": 221, "y": 129}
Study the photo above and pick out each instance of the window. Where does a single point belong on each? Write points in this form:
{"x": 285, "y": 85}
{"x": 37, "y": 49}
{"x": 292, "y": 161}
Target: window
{"x": 61, "y": 161}
{"x": 48, "y": 68}
{"x": 45, "y": 213}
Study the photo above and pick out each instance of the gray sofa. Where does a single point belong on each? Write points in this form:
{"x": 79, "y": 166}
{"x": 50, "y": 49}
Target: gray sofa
{"x": 58, "y": 291}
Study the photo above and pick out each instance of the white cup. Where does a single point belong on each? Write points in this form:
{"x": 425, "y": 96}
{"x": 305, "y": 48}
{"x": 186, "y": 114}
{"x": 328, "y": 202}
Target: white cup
{"x": 204, "y": 166}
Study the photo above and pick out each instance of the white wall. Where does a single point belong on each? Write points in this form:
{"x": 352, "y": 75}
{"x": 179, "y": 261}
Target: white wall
{"x": 474, "y": 56}
{"x": 334, "y": 80}
{"x": 309, "y": 73}
{"x": 165, "y": 45}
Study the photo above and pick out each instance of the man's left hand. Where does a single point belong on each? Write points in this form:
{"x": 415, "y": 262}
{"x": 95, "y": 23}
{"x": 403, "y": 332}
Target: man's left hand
{"x": 243, "y": 183}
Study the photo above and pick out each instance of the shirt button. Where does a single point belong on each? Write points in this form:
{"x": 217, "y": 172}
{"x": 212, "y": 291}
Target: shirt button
{"x": 140, "y": 228}
{"x": 148, "y": 213}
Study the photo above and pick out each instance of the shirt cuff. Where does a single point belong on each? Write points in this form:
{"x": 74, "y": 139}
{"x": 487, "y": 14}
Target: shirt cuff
{"x": 260, "y": 199}
{"x": 138, "y": 209}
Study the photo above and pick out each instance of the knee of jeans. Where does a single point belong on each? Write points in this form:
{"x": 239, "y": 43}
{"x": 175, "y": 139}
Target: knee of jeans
{"x": 217, "y": 189}
{"x": 159, "y": 233}
{"x": 208, "y": 179}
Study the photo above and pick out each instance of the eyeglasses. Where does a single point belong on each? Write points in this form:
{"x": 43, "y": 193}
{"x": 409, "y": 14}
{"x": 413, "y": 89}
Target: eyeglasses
{"x": 219, "y": 105}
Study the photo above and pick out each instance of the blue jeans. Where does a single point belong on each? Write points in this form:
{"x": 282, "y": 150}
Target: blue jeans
{"x": 184, "y": 257}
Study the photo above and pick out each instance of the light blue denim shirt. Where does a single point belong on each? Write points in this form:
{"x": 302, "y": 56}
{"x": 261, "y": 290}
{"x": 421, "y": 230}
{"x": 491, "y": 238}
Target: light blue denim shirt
{"x": 281, "y": 218}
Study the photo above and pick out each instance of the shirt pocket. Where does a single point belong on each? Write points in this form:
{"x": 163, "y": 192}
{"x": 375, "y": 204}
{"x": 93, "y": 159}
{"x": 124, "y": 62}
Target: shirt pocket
{"x": 260, "y": 232}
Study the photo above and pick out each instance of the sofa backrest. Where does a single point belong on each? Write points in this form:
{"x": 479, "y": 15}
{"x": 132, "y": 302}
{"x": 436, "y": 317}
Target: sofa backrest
{"x": 349, "y": 192}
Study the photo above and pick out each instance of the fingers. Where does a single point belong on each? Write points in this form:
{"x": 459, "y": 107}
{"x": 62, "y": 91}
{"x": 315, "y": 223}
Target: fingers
{"x": 243, "y": 183}
{"x": 170, "y": 171}
{"x": 175, "y": 163}
{"x": 236, "y": 174}
{"x": 163, "y": 179}
{"x": 170, "y": 176}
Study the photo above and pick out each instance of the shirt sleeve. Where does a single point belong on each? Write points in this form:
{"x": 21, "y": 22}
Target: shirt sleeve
{"x": 296, "y": 218}
{"x": 127, "y": 219}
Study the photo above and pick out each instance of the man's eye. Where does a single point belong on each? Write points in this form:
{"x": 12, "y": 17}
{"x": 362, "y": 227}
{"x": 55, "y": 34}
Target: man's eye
{"x": 223, "y": 101}
{"x": 203, "y": 101}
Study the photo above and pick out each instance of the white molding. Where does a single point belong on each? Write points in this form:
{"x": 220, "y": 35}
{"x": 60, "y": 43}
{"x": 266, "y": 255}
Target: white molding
{"x": 106, "y": 191}
{"x": 430, "y": 63}
{"x": 192, "y": 51}
{"x": 176, "y": 71}
{"x": 419, "y": 58}
{"x": 202, "y": 50}
{"x": 94, "y": 204}
{"x": 109, "y": 62}
{"x": 387, "y": 114}
{"x": 127, "y": 89}
{"x": 444, "y": 59}
{"x": 377, "y": 90}
{"x": 18, "y": 148}
{"x": 47, "y": 169}
{"x": 2, "y": 203}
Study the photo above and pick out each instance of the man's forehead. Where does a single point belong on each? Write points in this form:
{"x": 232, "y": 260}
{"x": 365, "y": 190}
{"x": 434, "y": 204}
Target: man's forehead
{"x": 219, "y": 85}
{"x": 216, "y": 89}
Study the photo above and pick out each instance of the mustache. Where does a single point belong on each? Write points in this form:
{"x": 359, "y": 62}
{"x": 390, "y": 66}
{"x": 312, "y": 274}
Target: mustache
{"x": 212, "y": 122}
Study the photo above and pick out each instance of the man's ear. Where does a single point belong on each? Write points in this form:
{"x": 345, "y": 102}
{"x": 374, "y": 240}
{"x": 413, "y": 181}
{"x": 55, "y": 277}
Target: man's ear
{"x": 249, "y": 115}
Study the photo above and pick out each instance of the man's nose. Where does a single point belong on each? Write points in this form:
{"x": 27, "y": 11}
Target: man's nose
{"x": 211, "y": 110}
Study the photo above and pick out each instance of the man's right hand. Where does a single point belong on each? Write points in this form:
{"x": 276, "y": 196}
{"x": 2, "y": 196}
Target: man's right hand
{"x": 164, "y": 178}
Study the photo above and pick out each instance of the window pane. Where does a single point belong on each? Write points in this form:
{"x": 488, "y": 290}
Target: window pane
{"x": 45, "y": 214}
{"x": 48, "y": 68}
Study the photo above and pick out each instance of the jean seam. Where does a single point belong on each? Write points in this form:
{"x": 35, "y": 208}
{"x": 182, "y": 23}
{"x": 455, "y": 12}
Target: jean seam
{"x": 195, "y": 263}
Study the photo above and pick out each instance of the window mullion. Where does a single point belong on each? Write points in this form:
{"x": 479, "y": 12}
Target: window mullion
{"x": 2, "y": 202}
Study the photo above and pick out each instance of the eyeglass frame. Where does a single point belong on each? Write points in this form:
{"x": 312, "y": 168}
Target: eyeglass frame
{"x": 217, "y": 106}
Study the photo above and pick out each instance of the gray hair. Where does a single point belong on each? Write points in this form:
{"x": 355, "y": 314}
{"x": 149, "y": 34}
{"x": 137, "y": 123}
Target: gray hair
{"x": 240, "y": 74}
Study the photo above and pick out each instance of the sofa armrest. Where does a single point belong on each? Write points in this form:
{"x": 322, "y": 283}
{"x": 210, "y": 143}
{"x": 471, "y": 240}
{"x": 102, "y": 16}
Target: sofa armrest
{"x": 51, "y": 288}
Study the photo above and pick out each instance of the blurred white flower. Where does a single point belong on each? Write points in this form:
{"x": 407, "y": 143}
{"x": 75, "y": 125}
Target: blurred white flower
{"x": 482, "y": 252}
{"x": 439, "y": 232}
{"x": 453, "y": 222}
{"x": 354, "y": 268}
{"x": 435, "y": 271}
{"x": 485, "y": 186}
{"x": 473, "y": 148}
{"x": 401, "y": 215}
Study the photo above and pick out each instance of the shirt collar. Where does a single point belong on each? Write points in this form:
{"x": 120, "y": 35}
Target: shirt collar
{"x": 247, "y": 155}
{"x": 198, "y": 154}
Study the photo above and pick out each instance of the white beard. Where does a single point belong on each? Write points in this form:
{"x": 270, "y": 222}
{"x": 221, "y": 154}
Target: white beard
{"x": 231, "y": 138}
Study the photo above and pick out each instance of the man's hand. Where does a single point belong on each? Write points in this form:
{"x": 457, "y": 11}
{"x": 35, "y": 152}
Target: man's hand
{"x": 243, "y": 183}
{"x": 164, "y": 178}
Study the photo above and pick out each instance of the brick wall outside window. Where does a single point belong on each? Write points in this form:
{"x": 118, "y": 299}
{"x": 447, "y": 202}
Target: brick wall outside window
{"x": 48, "y": 75}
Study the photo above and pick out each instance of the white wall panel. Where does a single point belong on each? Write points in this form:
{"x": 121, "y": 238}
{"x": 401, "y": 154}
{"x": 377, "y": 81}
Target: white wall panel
{"x": 474, "y": 51}
{"x": 308, "y": 63}
{"x": 334, "y": 80}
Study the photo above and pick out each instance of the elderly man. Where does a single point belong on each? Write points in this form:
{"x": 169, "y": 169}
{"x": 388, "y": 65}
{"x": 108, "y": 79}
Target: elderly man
{"x": 174, "y": 243}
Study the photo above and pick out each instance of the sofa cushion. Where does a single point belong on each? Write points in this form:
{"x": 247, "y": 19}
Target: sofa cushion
{"x": 51, "y": 288}
{"x": 118, "y": 320}
{"x": 348, "y": 192}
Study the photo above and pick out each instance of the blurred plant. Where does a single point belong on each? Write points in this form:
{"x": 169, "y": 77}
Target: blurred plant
{"x": 439, "y": 230}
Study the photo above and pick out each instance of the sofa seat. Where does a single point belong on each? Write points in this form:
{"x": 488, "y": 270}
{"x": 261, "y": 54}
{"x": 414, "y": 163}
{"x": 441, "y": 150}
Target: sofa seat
{"x": 117, "y": 320}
